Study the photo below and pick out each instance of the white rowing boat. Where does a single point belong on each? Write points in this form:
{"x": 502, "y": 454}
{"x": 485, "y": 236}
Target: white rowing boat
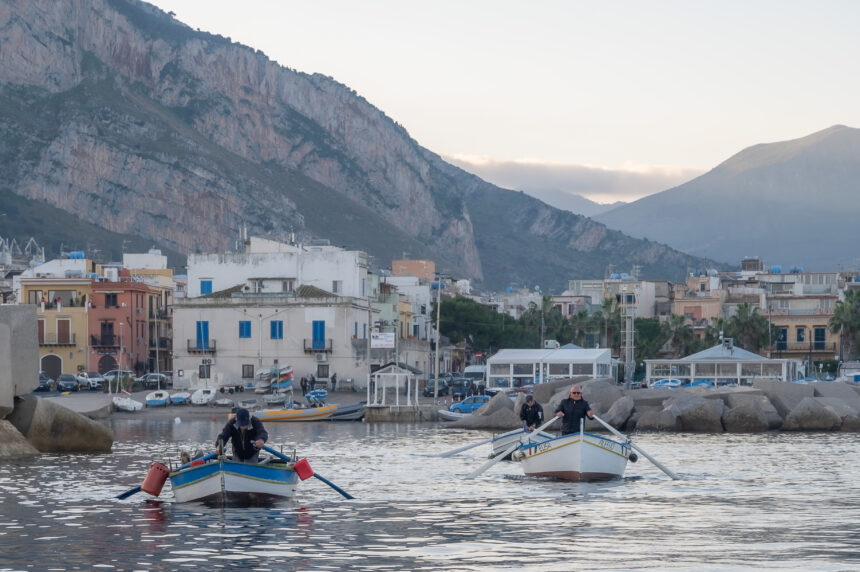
{"x": 128, "y": 404}
{"x": 203, "y": 396}
{"x": 505, "y": 440}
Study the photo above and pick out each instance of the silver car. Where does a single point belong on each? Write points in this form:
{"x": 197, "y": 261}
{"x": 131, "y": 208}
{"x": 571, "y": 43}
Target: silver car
{"x": 91, "y": 380}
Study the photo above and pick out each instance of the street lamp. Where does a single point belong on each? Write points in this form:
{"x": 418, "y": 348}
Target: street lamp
{"x": 121, "y": 361}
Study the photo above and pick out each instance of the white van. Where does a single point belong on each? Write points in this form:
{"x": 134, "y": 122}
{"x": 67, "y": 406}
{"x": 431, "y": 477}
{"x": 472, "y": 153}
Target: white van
{"x": 476, "y": 373}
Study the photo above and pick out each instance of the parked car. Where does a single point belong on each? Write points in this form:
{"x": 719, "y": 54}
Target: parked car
{"x": 91, "y": 380}
{"x": 429, "y": 391}
{"x": 114, "y": 373}
{"x": 459, "y": 387}
{"x": 45, "y": 383}
{"x": 153, "y": 380}
{"x": 67, "y": 382}
{"x": 470, "y": 404}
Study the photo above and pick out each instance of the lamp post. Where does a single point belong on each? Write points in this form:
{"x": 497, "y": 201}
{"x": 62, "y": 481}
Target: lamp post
{"x": 438, "y": 313}
{"x": 121, "y": 361}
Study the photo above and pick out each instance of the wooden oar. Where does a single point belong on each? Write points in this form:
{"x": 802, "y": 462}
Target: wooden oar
{"x": 508, "y": 451}
{"x": 461, "y": 449}
{"x": 320, "y": 477}
{"x": 657, "y": 463}
{"x": 136, "y": 489}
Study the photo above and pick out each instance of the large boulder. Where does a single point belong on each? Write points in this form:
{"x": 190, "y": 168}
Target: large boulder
{"x": 838, "y": 390}
{"x": 838, "y": 405}
{"x": 851, "y": 423}
{"x": 619, "y": 413}
{"x": 645, "y": 398}
{"x": 757, "y": 401}
{"x": 601, "y": 394}
{"x": 543, "y": 392}
{"x": 502, "y": 419}
{"x": 12, "y": 443}
{"x": 745, "y": 418}
{"x": 685, "y": 412}
{"x": 497, "y": 402}
{"x": 53, "y": 428}
{"x": 784, "y": 396}
{"x": 811, "y": 415}
{"x": 728, "y": 393}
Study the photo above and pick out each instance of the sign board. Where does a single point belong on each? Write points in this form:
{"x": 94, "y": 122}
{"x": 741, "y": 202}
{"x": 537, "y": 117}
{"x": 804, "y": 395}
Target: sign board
{"x": 382, "y": 340}
{"x": 206, "y": 361}
{"x": 478, "y": 355}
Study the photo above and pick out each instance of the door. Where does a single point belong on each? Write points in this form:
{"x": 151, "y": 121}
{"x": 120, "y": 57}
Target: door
{"x": 106, "y": 363}
{"x": 41, "y": 332}
{"x": 52, "y": 366}
{"x": 319, "y": 335}
{"x": 63, "y": 332}
{"x": 107, "y": 334}
{"x": 202, "y": 335}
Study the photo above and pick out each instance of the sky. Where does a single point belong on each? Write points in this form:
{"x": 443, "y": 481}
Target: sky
{"x": 612, "y": 100}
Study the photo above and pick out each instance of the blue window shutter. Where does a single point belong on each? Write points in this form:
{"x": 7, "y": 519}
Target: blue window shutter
{"x": 273, "y": 330}
{"x": 205, "y": 287}
{"x": 244, "y": 329}
{"x": 280, "y": 329}
{"x": 319, "y": 335}
{"x": 355, "y": 332}
{"x": 202, "y": 335}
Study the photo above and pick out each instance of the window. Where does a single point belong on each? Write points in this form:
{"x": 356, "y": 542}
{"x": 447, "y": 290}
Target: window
{"x": 364, "y": 331}
{"x": 276, "y": 329}
{"x": 322, "y": 370}
{"x": 110, "y": 301}
{"x": 362, "y": 286}
{"x": 336, "y": 286}
{"x": 782, "y": 339}
{"x": 247, "y": 371}
{"x": 203, "y": 336}
{"x": 355, "y": 332}
{"x": 819, "y": 335}
{"x": 205, "y": 286}
{"x": 245, "y": 329}
{"x": 204, "y": 372}
{"x": 319, "y": 335}
{"x": 800, "y": 335}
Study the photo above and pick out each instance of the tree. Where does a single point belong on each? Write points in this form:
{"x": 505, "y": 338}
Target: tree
{"x": 749, "y": 329}
{"x": 846, "y": 320}
{"x": 681, "y": 338}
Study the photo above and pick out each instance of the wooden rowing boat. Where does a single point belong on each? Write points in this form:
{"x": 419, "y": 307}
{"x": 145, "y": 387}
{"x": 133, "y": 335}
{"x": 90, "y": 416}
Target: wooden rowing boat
{"x": 223, "y": 481}
{"x": 306, "y": 414}
{"x": 575, "y": 457}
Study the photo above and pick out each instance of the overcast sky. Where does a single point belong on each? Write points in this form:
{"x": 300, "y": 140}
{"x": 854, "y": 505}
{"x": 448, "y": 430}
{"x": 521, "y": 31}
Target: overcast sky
{"x": 611, "y": 99}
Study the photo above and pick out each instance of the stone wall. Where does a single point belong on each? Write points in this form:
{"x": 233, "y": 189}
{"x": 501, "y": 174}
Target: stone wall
{"x": 19, "y": 354}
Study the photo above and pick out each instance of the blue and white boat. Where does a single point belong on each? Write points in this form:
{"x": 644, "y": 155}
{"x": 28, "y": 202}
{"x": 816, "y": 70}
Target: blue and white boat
{"x": 667, "y": 383}
{"x": 223, "y": 481}
{"x": 159, "y": 398}
{"x": 180, "y": 398}
{"x": 504, "y": 440}
{"x": 705, "y": 383}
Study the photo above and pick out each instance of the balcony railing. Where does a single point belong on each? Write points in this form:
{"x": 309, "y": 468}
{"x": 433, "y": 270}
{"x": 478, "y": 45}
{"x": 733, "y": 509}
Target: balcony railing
{"x": 161, "y": 343}
{"x": 805, "y": 347}
{"x": 57, "y": 340}
{"x": 105, "y": 341}
{"x": 201, "y": 347}
{"x": 314, "y": 346}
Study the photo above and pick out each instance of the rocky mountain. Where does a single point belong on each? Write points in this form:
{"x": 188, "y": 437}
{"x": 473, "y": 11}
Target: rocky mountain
{"x": 793, "y": 203}
{"x": 118, "y": 114}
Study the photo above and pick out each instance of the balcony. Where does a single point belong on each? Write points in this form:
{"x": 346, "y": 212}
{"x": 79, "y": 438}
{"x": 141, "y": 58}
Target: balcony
{"x": 314, "y": 346}
{"x": 162, "y": 343}
{"x": 805, "y": 347}
{"x": 105, "y": 341}
{"x": 57, "y": 340}
{"x": 204, "y": 347}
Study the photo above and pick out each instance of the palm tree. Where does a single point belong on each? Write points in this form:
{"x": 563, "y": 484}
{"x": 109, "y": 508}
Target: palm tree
{"x": 750, "y": 329}
{"x": 680, "y": 335}
{"x": 846, "y": 319}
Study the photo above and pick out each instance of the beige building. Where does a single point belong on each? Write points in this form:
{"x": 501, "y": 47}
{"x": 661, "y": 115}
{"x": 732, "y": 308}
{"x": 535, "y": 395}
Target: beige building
{"x": 423, "y": 269}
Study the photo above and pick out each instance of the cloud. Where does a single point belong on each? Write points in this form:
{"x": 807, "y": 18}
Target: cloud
{"x": 546, "y": 180}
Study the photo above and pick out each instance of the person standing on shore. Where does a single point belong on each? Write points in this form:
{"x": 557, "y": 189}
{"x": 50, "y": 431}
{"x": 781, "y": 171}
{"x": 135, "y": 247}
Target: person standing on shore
{"x": 304, "y": 383}
{"x": 247, "y": 434}
{"x": 572, "y": 409}
{"x": 333, "y": 381}
{"x": 313, "y": 382}
{"x": 531, "y": 413}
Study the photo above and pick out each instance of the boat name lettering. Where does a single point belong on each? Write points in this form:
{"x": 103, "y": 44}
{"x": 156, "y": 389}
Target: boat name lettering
{"x": 611, "y": 445}
{"x": 544, "y": 446}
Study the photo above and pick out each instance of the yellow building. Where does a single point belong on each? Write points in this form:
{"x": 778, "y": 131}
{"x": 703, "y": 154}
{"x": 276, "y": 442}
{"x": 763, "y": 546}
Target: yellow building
{"x": 61, "y": 308}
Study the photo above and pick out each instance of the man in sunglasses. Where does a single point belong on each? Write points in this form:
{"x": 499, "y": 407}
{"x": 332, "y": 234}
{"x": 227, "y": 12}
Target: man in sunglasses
{"x": 571, "y": 410}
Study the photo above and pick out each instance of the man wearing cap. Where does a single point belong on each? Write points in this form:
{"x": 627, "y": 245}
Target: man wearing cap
{"x": 248, "y": 436}
{"x": 572, "y": 409}
{"x": 531, "y": 413}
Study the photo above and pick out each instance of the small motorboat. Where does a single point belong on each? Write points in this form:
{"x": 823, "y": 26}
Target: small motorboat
{"x": 306, "y": 414}
{"x": 159, "y": 398}
{"x": 352, "y": 412}
{"x": 575, "y": 457}
{"x": 203, "y": 396}
{"x": 180, "y": 398}
{"x": 123, "y": 403}
{"x": 223, "y": 402}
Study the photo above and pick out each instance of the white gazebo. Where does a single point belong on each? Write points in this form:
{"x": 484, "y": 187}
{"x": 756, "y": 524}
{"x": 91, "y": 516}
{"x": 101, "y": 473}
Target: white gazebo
{"x": 387, "y": 381}
{"x": 516, "y": 368}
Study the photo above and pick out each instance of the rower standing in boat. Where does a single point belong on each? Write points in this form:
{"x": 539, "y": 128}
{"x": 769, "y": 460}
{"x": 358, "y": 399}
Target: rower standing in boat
{"x": 531, "y": 413}
{"x": 572, "y": 409}
{"x": 248, "y": 436}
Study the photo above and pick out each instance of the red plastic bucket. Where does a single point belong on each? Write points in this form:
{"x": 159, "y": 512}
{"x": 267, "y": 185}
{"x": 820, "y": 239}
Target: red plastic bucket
{"x": 303, "y": 469}
{"x": 155, "y": 478}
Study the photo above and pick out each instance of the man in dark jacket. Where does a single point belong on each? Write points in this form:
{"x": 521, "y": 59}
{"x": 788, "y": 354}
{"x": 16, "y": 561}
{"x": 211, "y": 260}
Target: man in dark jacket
{"x": 571, "y": 410}
{"x": 531, "y": 412}
{"x": 248, "y": 436}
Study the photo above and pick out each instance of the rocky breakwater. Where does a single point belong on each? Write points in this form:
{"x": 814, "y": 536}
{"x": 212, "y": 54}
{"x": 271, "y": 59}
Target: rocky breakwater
{"x": 49, "y": 427}
{"x": 766, "y": 406}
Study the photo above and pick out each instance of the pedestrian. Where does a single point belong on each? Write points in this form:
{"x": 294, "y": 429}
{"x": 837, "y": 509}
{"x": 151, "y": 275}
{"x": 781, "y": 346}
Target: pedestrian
{"x": 481, "y": 389}
{"x": 531, "y": 413}
{"x": 572, "y": 409}
{"x": 406, "y": 387}
{"x": 313, "y": 382}
{"x": 247, "y": 434}
{"x": 304, "y": 383}
{"x": 333, "y": 382}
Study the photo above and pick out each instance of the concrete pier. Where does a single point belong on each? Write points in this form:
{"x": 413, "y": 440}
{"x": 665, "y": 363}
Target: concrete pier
{"x": 400, "y": 413}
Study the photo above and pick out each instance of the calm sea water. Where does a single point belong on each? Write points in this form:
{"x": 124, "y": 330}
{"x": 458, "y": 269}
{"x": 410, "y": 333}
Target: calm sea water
{"x": 777, "y": 501}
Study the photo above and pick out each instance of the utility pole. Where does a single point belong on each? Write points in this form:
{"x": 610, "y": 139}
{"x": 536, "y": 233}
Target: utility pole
{"x": 438, "y": 313}
{"x": 368, "y": 333}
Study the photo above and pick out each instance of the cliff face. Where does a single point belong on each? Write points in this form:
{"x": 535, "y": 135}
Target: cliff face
{"x": 113, "y": 111}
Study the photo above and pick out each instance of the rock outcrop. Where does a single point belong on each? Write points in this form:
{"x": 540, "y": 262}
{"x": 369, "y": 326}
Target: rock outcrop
{"x": 502, "y": 419}
{"x": 811, "y": 415}
{"x": 12, "y": 443}
{"x": 52, "y": 428}
{"x": 685, "y": 412}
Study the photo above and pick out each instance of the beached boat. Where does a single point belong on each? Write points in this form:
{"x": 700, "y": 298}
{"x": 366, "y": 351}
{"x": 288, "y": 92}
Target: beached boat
{"x": 203, "y": 396}
{"x": 180, "y": 398}
{"x": 273, "y": 399}
{"x": 505, "y": 440}
{"x": 667, "y": 384}
{"x": 122, "y": 403}
{"x": 451, "y": 415}
{"x": 223, "y": 481}
{"x": 307, "y": 414}
{"x": 575, "y": 457}
{"x": 352, "y": 412}
{"x": 159, "y": 398}
{"x": 223, "y": 402}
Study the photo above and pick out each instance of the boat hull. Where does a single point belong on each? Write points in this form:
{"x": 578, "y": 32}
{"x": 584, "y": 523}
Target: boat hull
{"x": 575, "y": 457}
{"x": 127, "y": 404}
{"x": 223, "y": 481}
{"x": 505, "y": 440}
{"x": 309, "y": 414}
{"x": 349, "y": 412}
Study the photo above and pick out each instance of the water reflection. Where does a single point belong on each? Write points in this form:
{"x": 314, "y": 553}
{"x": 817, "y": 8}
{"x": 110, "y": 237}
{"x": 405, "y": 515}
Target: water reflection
{"x": 767, "y": 501}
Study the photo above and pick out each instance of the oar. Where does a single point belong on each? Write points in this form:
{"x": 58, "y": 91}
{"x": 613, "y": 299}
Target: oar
{"x": 136, "y": 489}
{"x": 320, "y": 477}
{"x": 453, "y": 452}
{"x": 657, "y": 463}
{"x": 508, "y": 451}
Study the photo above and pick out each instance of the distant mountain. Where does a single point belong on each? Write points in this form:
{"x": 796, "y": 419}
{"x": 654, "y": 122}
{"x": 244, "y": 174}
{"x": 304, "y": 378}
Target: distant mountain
{"x": 120, "y": 115}
{"x": 791, "y": 203}
{"x": 572, "y": 202}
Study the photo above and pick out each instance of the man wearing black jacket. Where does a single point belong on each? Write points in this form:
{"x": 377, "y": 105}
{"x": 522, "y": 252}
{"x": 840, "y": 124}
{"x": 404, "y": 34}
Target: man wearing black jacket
{"x": 248, "y": 436}
{"x": 531, "y": 412}
{"x": 571, "y": 410}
